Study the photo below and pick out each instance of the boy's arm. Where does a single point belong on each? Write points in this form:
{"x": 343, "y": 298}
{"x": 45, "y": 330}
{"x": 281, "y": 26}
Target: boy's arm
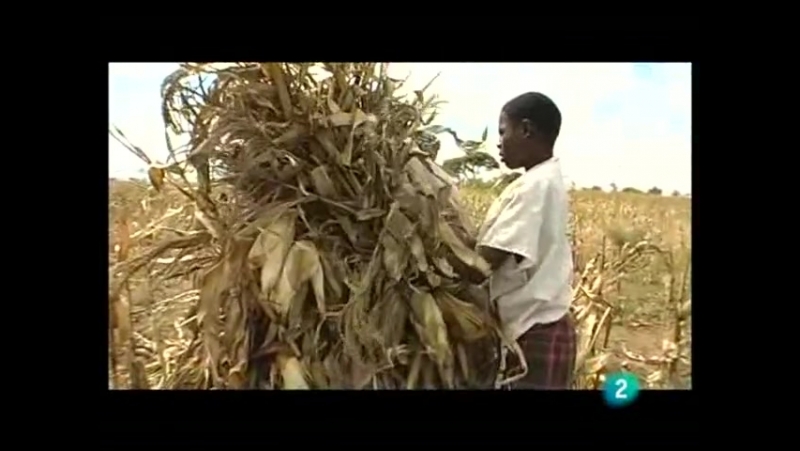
{"x": 515, "y": 232}
{"x": 495, "y": 257}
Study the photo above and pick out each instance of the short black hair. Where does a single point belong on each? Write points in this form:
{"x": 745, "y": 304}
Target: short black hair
{"x": 539, "y": 109}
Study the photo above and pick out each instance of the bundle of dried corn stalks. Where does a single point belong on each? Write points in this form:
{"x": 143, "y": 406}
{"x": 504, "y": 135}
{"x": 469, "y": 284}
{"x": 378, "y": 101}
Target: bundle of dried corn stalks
{"x": 336, "y": 248}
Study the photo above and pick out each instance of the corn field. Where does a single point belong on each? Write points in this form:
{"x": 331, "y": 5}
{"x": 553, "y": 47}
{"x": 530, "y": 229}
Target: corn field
{"x": 646, "y": 328}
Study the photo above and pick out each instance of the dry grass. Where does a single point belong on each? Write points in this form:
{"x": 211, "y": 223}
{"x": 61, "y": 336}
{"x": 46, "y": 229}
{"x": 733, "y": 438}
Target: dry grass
{"x": 645, "y": 329}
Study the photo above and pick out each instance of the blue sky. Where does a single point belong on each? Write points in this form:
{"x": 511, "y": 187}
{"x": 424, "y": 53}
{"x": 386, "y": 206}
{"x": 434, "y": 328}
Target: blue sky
{"x": 628, "y": 124}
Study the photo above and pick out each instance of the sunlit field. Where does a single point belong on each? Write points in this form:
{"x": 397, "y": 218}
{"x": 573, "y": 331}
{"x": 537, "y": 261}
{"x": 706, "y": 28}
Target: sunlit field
{"x": 646, "y": 329}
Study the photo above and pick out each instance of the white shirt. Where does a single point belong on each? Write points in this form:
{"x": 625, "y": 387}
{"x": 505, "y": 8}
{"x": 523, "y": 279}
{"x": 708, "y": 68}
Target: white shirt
{"x": 531, "y": 219}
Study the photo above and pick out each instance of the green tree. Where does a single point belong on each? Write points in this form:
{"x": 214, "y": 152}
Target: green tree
{"x": 470, "y": 165}
{"x": 474, "y": 159}
{"x": 655, "y": 191}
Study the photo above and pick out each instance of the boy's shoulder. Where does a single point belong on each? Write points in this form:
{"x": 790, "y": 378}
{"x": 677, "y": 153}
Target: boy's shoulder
{"x": 534, "y": 182}
{"x": 548, "y": 172}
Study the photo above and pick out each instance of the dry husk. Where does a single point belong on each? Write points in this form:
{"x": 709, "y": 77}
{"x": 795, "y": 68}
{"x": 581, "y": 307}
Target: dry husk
{"x": 333, "y": 260}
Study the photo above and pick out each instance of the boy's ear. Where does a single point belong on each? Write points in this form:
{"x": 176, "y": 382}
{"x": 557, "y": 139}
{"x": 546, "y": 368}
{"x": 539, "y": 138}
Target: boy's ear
{"x": 527, "y": 128}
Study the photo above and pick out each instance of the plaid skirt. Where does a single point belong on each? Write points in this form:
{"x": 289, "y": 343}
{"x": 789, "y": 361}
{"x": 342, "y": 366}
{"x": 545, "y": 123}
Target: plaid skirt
{"x": 549, "y": 350}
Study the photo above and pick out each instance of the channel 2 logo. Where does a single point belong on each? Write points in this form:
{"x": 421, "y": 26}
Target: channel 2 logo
{"x": 620, "y": 389}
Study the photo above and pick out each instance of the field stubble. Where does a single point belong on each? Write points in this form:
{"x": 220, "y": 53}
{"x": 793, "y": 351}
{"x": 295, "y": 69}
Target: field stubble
{"x": 646, "y": 335}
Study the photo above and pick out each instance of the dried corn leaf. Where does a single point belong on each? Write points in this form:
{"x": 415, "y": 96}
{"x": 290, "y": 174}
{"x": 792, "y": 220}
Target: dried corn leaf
{"x": 395, "y": 256}
{"x": 292, "y": 373}
{"x": 302, "y": 265}
{"x": 461, "y": 251}
{"x": 430, "y": 326}
{"x": 466, "y": 322}
{"x": 271, "y": 248}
